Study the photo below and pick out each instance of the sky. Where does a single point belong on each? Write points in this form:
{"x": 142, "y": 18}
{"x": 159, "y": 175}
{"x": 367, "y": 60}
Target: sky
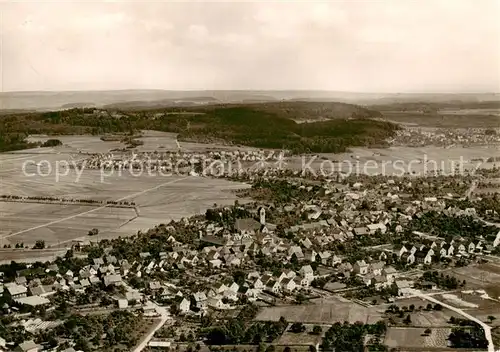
{"x": 358, "y": 46}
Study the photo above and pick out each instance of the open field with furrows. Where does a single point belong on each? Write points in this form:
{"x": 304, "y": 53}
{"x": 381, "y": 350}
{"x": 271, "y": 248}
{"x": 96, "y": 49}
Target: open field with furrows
{"x": 29, "y": 255}
{"x": 414, "y": 338}
{"x": 158, "y": 199}
{"x": 328, "y": 312}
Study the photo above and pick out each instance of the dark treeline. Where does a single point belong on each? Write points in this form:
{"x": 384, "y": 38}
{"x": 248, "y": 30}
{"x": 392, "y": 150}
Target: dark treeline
{"x": 251, "y": 125}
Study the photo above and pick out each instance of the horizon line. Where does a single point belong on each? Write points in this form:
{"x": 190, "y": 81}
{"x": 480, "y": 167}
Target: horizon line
{"x": 249, "y": 90}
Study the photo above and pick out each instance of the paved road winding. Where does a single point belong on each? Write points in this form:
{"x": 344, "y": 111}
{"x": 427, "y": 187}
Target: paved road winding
{"x": 486, "y": 328}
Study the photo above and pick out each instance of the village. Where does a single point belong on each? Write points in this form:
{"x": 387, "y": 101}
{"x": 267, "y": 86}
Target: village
{"x": 375, "y": 249}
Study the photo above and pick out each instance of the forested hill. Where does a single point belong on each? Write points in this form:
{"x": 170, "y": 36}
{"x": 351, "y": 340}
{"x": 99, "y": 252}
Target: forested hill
{"x": 268, "y": 125}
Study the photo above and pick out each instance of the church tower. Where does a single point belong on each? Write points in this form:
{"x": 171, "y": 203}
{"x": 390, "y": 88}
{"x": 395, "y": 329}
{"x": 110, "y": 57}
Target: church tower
{"x": 262, "y": 215}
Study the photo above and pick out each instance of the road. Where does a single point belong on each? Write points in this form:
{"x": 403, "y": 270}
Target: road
{"x": 486, "y": 328}
{"x": 164, "y": 316}
{"x": 471, "y": 189}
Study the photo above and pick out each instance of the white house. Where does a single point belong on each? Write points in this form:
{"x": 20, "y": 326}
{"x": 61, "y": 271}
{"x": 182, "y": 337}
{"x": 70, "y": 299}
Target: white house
{"x": 288, "y": 285}
{"x": 307, "y": 272}
{"x": 185, "y": 305}
{"x": 360, "y": 267}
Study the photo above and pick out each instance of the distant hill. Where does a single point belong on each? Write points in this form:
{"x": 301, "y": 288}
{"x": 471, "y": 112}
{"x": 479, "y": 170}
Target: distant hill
{"x": 46, "y": 100}
{"x": 156, "y": 104}
{"x": 77, "y": 105}
{"x": 334, "y": 126}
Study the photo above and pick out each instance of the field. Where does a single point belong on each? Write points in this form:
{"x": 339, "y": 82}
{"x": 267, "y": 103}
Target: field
{"x": 159, "y": 199}
{"x": 293, "y": 339}
{"x": 478, "y": 277}
{"x": 328, "y": 312}
{"x": 407, "y": 337}
{"x": 452, "y": 119}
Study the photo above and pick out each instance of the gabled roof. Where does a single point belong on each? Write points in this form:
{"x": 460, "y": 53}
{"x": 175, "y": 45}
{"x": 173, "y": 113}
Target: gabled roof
{"x": 247, "y": 224}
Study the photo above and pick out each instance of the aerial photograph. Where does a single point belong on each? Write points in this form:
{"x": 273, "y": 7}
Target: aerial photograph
{"x": 250, "y": 176}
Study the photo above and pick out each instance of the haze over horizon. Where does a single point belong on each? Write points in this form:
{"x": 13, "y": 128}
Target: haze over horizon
{"x": 387, "y": 46}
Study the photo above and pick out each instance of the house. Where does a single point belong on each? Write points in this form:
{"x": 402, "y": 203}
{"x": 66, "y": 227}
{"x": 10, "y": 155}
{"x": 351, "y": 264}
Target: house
{"x": 232, "y": 295}
{"x": 325, "y": 257}
{"x": 32, "y": 301}
{"x": 216, "y": 263}
{"x": 496, "y": 241}
{"x": 98, "y": 261}
{"x": 184, "y": 305}
{"x": 380, "y": 282}
{"x": 297, "y": 251}
{"x": 401, "y": 250}
{"x": 306, "y": 243}
{"x": 28, "y": 346}
{"x": 410, "y": 259}
{"x": 307, "y": 272}
{"x": 376, "y": 268}
{"x": 390, "y": 273}
{"x": 472, "y": 247}
{"x": 220, "y": 288}
{"x": 288, "y": 285}
{"x": 247, "y": 226}
{"x": 461, "y": 248}
{"x": 368, "y": 279}
{"x": 360, "y": 267}
{"x": 373, "y": 228}
{"x": 258, "y": 284}
{"x": 310, "y": 255}
{"x": 122, "y": 303}
{"x": 113, "y": 279}
{"x": 336, "y": 260}
{"x": 234, "y": 287}
{"x": 215, "y": 302}
{"x": 361, "y": 231}
{"x": 382, "y": 256}
{"x": 154, "y": 285}
{"x": 16, "y": 291}
{"x": 273, "y": 286}
{"x": 200, "y": 299}
{"x": 21, "y": 280}
{"x": 428, "y": 285}
{"x": 403, "y": 287}
{"x": 345, "y": 268}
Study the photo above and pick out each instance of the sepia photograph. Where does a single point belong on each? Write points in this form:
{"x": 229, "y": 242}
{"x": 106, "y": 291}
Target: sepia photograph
{"x": 250, "y": 176}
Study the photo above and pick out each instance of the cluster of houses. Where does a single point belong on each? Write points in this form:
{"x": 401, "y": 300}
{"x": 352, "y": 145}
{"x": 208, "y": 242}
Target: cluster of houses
{"x": 431, "y": 251}
{"x": 178, "y": 161}
{"x": 222, "y": 295}
{"x": 415, "y": 136}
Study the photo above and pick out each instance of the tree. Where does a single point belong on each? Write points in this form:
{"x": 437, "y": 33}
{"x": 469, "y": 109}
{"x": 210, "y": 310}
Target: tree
{"x": 427, "y": 331}
{"x": 287, "y": 349}
{"x": 40, "y": 244}
{"x": 270, "y": 348}
{"x": 491, "y": 318}
{"x": 312, "y": 348}
{"x": 407, "y": 319}
{"x": 317, "y": 330}
{"x": 297, "y": 328}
